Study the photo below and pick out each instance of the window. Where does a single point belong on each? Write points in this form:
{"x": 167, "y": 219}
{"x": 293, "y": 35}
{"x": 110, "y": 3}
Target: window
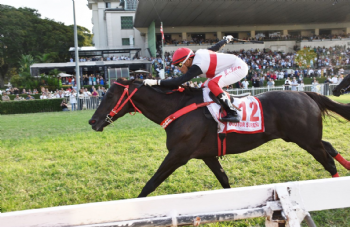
{"x": 130, "y": 5}
{"x": 127, "y": 22}
{"x": 108, "y": 5}
{"x": 125, "y": 41}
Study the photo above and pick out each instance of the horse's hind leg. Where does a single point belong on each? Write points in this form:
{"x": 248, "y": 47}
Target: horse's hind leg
{"x": 171, "y": 162}
{"x": 218, "y": 171}
{"x": 334, "y": 153}
{"x": 318, "y": 151}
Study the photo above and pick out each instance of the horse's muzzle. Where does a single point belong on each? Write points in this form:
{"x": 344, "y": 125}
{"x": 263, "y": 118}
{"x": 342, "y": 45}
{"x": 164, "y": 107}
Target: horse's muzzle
{"x": 93, "y": 122}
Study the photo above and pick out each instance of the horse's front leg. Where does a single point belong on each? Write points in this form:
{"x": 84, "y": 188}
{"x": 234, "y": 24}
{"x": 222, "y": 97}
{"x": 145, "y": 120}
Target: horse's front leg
{"x": 215, "y": 166}
{"x": 171, "y": 162}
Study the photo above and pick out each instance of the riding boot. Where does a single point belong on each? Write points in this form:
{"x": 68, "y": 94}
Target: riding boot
{"x": 231, "y": 115}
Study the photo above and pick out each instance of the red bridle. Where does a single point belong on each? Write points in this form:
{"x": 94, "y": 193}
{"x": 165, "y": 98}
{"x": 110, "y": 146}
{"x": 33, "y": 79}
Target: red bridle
{"x": 119, "y": 106}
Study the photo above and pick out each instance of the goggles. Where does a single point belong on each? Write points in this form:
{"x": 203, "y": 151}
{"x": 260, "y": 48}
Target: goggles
{"x": 181, "y": 63}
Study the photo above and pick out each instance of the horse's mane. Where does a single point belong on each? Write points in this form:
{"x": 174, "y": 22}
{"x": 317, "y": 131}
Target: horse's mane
{"x": 160, "y": 89}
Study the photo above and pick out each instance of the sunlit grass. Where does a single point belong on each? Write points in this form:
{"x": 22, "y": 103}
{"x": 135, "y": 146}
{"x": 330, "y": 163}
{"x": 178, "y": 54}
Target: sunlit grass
{"x": 52, "y": 159}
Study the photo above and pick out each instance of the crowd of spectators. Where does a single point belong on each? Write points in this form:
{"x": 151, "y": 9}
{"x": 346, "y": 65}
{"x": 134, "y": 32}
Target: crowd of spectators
{"x": 278, "y": 65}
{"x": 88, "y": 98}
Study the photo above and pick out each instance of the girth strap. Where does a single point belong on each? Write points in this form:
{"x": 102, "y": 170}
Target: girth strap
{"x": 181, "y": 112}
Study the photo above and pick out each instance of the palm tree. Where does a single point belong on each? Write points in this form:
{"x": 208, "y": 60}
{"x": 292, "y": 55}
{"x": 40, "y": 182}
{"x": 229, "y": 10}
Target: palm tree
{"x": 24, "y": 64}
{"x": 47, "y": 57}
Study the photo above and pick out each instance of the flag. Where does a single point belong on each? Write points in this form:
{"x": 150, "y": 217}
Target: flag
{"x": 161, "y": 31}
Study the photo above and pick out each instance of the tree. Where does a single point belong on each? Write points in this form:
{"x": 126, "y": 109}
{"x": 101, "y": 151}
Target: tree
{"x": 47, "y": 57}
{"x": 84, "y": 35}
{"x": 23, "y": 32}
{"x": 304, "y": 57}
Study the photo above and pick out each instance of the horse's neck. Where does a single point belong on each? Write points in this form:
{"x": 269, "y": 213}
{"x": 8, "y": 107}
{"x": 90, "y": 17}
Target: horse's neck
{"x": 156, "y": 106}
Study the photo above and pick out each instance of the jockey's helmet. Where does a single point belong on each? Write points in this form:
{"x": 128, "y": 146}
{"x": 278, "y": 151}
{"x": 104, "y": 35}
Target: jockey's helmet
{"x": 181, "y": 55}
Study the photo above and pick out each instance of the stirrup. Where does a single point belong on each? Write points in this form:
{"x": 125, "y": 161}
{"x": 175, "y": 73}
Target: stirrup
{"x": 231, "y": 116}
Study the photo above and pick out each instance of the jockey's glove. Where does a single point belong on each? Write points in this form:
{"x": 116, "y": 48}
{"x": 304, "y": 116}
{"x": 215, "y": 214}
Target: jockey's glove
{"x": 228, "y": 38}
{"x": 151, "y": 82}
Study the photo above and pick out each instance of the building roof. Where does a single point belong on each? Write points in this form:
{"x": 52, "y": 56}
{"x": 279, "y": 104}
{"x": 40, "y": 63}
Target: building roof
{"x": 94, "y": 51}
{"x": 243, "y": 12}
{"x": 89, "y": 63}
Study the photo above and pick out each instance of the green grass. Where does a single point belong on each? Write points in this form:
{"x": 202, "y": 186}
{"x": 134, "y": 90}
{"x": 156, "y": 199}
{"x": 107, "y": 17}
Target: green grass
{"x": 53, "y": 159}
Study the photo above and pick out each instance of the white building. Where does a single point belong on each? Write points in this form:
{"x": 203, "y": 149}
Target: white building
{"x": 113, "y": 24}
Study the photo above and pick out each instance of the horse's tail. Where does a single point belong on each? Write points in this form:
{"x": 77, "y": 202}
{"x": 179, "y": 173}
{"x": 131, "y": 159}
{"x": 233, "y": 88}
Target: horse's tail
{"x": 326, "y": 104}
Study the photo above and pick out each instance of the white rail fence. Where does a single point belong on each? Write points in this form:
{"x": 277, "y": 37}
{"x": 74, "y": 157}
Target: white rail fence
{"x": 287, "y": 203}
{"x": 93, "y": 102}
{"x": 323, "y": 89}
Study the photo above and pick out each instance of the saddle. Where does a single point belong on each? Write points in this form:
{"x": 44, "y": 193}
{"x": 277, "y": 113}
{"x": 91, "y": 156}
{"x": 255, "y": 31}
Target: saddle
{"x": 216, "y": 100}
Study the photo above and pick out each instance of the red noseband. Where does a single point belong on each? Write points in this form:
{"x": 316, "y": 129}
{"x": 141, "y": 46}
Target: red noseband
{"x": 119, "y": 106}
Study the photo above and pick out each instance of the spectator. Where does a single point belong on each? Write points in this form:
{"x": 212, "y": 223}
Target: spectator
{"x": 301, "y": 86}
{"x": 17, "y": 98}
{"x": 334, "y": 79}
{"x": 73, "y": 99}
{"x": 43, "y": 96}
{"x": 287, "y": 83}
{"x": 64, "y": 106}
{"x": 294, "y": 84}
{"x": 245, "y": 84}
{"x": 341, "y": 78}
{"x": 270, "y": 83}
{"x": 314, "y": 87}
{"x": 5, "y": 97}
{"x": 29, "y": 97}
{"x": 81, "y": 98}
{"x": 94, "y": 98}
{"x": 87, "y": 95}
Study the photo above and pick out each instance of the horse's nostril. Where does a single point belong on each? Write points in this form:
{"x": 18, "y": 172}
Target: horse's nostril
{"x": 91, "y": 122}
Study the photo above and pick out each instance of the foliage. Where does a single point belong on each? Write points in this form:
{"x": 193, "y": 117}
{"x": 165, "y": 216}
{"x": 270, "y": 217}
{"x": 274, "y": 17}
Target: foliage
{"x": 54, "y": 72}
{"x": 23, "y": 32}
{"x": 55, "y": 159}
{"x": 304, "y": 57}
{"x": 47, "y": 57}
{"x": 30, "y": 106}
{"x": 84, "y": 35}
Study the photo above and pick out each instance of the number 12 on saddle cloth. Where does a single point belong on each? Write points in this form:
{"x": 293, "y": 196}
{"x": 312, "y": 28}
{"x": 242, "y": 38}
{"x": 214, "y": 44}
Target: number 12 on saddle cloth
{"x": 251, "y": 115}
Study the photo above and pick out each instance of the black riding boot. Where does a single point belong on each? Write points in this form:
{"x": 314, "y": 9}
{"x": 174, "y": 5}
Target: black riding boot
{"x": 232, "y": 115}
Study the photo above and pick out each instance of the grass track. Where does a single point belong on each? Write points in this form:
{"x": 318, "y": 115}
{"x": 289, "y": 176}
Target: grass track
{"x": 52, "y": 159}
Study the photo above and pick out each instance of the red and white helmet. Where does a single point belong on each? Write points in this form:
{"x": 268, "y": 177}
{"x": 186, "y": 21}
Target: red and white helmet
{"x": 181, "y": 55}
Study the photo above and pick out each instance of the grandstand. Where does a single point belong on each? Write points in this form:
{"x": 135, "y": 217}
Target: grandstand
{"x": 200, "y": 23}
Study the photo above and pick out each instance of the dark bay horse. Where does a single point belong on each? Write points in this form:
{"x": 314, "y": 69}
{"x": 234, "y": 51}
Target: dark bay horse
{"x": 292, "y": 116}
{"x": 343, "y": 87}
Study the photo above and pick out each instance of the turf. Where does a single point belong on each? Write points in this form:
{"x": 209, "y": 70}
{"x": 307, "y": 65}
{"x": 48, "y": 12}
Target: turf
{"x": 52, "y": 159}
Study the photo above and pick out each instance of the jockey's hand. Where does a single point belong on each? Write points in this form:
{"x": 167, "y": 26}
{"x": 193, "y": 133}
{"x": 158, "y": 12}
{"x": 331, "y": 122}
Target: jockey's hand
{"x": 228, "y": 38}
{"x": 151, "y": 82}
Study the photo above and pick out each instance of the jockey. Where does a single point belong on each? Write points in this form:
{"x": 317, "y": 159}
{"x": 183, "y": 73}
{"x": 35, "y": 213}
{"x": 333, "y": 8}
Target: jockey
{"x": 220, "y": 69}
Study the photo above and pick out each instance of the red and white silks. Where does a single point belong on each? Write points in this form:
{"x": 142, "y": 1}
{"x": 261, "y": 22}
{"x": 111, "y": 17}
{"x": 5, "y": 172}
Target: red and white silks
{"x": 221, "y": 69}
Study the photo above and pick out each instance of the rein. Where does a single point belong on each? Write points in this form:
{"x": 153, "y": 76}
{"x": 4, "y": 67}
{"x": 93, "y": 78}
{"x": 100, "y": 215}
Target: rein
{"x": 119, "y": 106}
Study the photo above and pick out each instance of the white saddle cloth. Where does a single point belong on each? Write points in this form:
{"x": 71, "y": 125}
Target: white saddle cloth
{"x": 251, "y": 115}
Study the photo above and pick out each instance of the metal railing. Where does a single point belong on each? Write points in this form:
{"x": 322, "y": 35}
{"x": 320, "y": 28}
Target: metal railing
{"x": 89, "y": 103}
{"x": 323, "y": 89}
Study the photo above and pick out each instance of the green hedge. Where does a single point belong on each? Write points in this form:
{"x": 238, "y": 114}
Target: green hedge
{"x": 12, "y": 97}
{"x": 30, "y": 106}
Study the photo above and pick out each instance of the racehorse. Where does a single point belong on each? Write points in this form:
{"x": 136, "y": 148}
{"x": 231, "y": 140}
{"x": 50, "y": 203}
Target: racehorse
{"x": 343, "y": 87}
{"x": 289, "y": 115}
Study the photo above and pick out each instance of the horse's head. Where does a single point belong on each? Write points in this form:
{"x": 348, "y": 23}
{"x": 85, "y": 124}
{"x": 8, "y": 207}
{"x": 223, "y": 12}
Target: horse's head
{"x": 342, "y": 87}
{"x": 108, "y": 111}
